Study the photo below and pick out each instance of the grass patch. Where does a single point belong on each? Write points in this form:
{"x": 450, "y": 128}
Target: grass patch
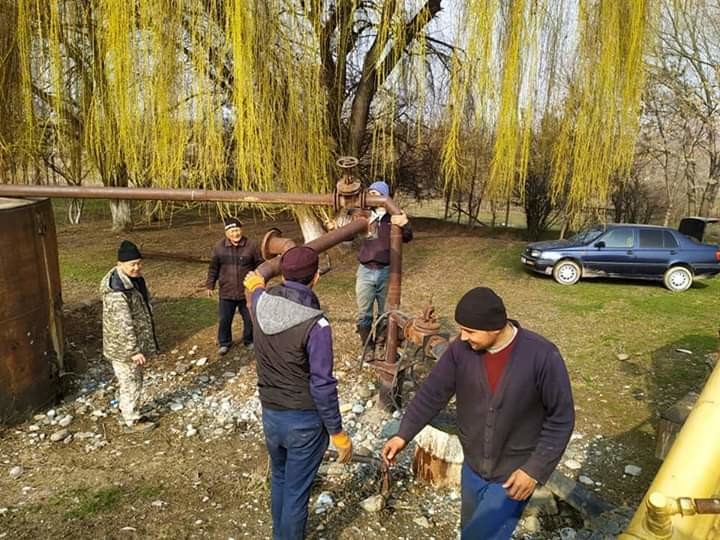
{"x": 87, "y": 504}
{"x": 148, "y": 492}
{"x": 88, "y": 269}
{"x": 84, "y": 503}
{"x": 192, "y": 314}
{"x": 92, "y": 210}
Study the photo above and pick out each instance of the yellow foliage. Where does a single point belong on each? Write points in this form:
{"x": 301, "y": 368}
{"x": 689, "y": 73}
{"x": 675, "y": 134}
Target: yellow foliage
{"x": 230, "y": 93}
{"x": 600, "y": 102}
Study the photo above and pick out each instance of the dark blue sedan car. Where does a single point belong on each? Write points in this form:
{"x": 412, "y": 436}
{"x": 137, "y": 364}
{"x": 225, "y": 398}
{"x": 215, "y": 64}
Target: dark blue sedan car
{"x": 675, "y": 256}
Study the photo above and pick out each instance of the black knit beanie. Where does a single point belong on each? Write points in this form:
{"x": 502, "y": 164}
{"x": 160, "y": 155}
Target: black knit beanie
{"x": 128, "y": 252}
{"x": 232, "y": 222}
{"x": 481, "y": 309}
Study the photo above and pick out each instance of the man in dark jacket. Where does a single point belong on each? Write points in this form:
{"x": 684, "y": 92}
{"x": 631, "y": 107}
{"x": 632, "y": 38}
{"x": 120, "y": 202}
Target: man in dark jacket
{"x": 373, "y": 273}
{"x": 515, "y": 413}
{"x": 294, "y": 362}
{"x": 233, "y": 257}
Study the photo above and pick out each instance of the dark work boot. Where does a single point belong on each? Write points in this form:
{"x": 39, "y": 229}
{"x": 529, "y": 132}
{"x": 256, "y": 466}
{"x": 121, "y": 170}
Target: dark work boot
{"x": 369, "y": 351}
{"x": 364, "y": 332}
{"x": 381, "y": 335}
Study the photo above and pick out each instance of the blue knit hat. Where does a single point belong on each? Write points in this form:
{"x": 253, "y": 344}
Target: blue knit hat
{"x": 381, "y": 187}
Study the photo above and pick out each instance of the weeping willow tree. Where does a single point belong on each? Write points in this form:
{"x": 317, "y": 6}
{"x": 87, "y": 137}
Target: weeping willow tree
{"x": 514, "y": 71}
{"x": 177, "y": 93}
{"x": 240, "y": 94}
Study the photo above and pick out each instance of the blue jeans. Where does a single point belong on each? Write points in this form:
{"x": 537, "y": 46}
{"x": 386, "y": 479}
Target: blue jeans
{"x": 296, "y": 442}
{"x": 486, "y": 512}
{"x": 370, "y": 288}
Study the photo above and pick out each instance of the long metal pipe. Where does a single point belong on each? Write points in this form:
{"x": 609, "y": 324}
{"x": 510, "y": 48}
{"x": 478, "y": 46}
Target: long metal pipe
{"x": 164, "y": 194}
{"x": 179, "y": 194}
{"x": 271, "y": 267}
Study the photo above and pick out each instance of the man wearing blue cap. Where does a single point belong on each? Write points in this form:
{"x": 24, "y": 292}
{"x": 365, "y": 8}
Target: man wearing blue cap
{"x": 373, "y": 273}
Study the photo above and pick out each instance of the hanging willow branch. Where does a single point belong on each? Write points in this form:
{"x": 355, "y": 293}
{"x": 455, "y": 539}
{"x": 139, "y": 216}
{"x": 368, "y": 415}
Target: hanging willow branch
{"x": 263, "y": 95}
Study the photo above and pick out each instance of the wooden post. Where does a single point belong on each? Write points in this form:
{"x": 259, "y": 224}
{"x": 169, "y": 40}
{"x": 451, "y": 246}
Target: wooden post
{"x": 671, "y": 422}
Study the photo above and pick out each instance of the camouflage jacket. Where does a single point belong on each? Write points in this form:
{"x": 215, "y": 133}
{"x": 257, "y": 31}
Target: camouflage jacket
{"x": 128, "y": 326}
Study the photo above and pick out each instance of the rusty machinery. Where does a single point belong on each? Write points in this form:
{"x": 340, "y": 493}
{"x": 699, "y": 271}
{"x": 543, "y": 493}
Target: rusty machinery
{"x": 419, "y": 340}
{"x": 348, "y": 195}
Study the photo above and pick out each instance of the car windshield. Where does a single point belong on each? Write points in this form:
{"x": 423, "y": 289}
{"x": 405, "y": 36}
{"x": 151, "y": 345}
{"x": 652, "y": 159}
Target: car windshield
{"x": 587, "y": 235}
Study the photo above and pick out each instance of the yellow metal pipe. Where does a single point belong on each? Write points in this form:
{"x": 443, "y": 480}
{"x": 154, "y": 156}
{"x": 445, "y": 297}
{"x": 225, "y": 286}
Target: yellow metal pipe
{"x": 691, "y": 469}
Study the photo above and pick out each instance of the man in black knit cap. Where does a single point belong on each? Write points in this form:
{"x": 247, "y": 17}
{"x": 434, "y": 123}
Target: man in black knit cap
{"x": 232, "y": 258}
{"x": 515, "y": 413}
{"x": 128, "y": 331}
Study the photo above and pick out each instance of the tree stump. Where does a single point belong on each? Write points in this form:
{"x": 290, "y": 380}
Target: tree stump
{"x": 438, "y": 454}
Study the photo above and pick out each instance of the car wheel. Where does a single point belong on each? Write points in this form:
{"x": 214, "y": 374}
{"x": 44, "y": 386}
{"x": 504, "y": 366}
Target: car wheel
{"x": 567, "y": 272}
{"x": 678, "y": 278}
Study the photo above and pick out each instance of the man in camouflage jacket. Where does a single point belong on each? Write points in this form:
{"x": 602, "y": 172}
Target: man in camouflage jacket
{"x": 128, "y": 331}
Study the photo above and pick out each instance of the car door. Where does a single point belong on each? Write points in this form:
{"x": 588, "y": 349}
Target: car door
{"x": 613, "y": 252}
{"x": 652, "y": 254}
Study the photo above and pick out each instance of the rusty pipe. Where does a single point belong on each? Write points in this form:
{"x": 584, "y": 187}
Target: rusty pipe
{"x": 373, "y": 201}
{"x": 274, "y": 244}
{"x": 180, "y": 194}
{"x": 271, "y": 268}
{"x": 389, "y": 393}
{"x": 164, "y": 194}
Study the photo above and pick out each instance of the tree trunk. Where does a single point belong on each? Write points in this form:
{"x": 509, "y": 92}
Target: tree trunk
{"x": 438, "y": 457}
{"x": 668, "y": 213}
{"x": 564, "y": 228}
{"x": 121, "y": 215}
{"x": 448, "y": 198}
{"x": 309, "y": 224}
{"x": 75, "y": 208}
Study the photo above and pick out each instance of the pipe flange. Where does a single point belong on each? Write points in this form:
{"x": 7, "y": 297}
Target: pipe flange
{"x": 265, "y": 244}
{"x": 348, "y": 186}
{"x": 428, "y": 322}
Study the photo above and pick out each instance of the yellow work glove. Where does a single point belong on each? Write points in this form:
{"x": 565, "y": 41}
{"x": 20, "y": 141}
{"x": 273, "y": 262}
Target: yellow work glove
{"x": 341, "y": 441}
{"x": 253, "y": 280}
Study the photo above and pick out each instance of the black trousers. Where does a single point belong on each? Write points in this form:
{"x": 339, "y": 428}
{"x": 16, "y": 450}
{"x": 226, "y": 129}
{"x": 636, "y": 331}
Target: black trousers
{"x": 226, "y": 312}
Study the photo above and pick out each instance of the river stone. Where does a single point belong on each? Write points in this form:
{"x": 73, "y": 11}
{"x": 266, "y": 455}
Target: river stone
{"x": 374, "y": 503}
{"x": 60, "y": 435}
{"x": 572, "y": 465}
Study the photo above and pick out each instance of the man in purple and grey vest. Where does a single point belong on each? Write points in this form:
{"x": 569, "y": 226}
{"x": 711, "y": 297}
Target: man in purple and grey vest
{"x": 298, "y": 392}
